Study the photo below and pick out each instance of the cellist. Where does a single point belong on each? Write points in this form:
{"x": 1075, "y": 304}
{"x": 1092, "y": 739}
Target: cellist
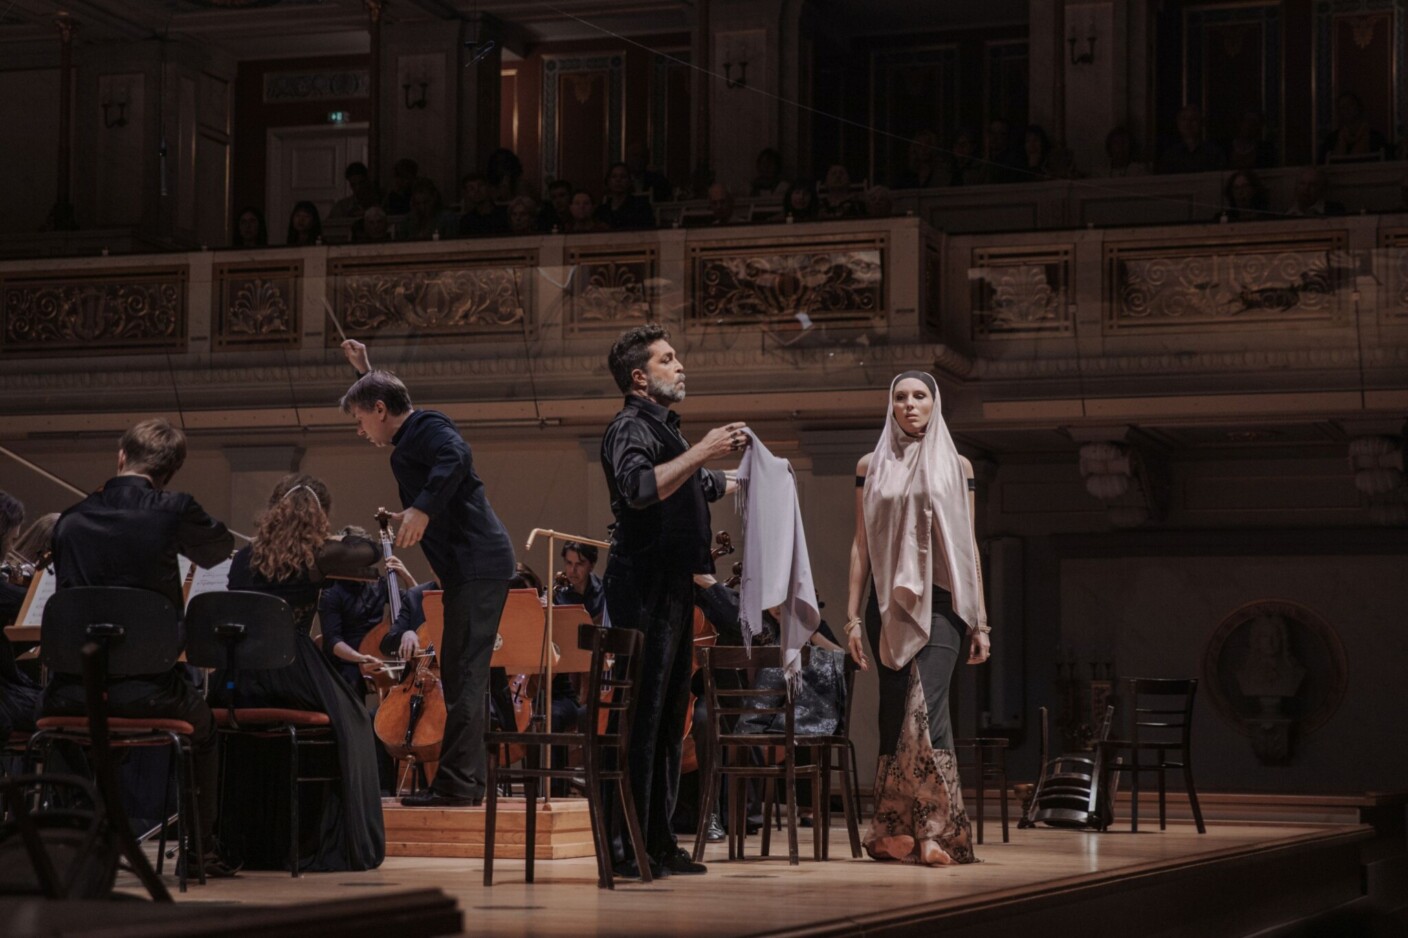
{"x": 349, "y": 609}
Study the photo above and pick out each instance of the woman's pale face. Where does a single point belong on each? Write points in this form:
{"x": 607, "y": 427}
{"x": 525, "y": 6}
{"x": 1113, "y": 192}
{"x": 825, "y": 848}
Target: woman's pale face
{"x": 913, "y": 405}
{"x": 582, "y": 206}
{"x": 302, "y": 221}
{"x": 249, "y": 227}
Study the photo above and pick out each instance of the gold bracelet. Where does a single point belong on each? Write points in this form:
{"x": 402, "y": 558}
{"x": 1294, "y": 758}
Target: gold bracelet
{"x": 985, "y": 629}
{"x": 853, "y": 624}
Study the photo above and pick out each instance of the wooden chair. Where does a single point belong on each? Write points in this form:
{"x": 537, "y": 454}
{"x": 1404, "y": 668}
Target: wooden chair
{"x": 990, "y": 765}
{"x": 731, "y": 753}
{"x": 139, "y": 633}
{"x": 1160, "y": 721}
{"x": 838, "y": 753}
{"x": 1070, "y": 790}
{"x": 230, "y": 630}
{"x": 603, "y": 755}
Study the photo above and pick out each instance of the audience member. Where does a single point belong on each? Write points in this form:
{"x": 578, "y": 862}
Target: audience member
{"x": 925, "y": 170}
{"x": 364, "y": 194}
{"x": 305, "y": 225}
{"x": 556, "y": 213}
{"x": 1244, "y": 197}
{"x": 404, "y": 174}
{"x": 373, "y": 227}
{"x": 1249, "y": 148}
{"x": 482, "y": 216}
{"x": 837, "y": 200}
{"x": 879, "y": 202}
{"x": 1004, "y": 159}
{"x": 768, "y": 179}
{"x": 721, "y": 205}
{"x": 523, "y": 216}
{"x": 1036, "y": 148}
{"x": 1352, "y": 136}
{"x": 427, "y": 219}
{"x": 1122, "y": 155}
{"x": 800, "y": 204}
{"x": 644, "y": 180}
{"x": 503, "y": 169}
{"x": 1312, "y": 188}
{"x": 250, "y": 229}
{"x": 1192, "y": 153}
{"x": 583, "y": 212}
{"x": 621, "y": 210}
{"x": 962, "y": 165}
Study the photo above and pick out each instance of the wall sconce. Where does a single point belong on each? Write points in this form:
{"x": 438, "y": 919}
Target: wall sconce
{"x": 412, "y": 103}
{"x": 731, "y": 83}
{"x": 1088, "y": 56}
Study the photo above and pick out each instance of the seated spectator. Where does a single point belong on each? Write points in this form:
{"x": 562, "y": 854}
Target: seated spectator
{"x": 556, "y": 212}
{"x": 879, "y": 202}
{"x": 1244, "y": 197}
{"x": 503, "y": 169}
{"x": 1192, "y": 153}
{"x": 584, "y": 214}
{"x": 644, "y": 180}
{"x": 1352, "y": 136}
{"x": 363, "y": 197}
{"x": 1004, "y": 159}
{"x": 800, "y": 203}
{"x": 427, "y": 219}
{"x": 1312, "y": 187}
{"x": 962, "y": 166}
{"x": 837, "y": 200}
{"x": 250, "y": 230}
{"x": 305, "y": 225}
{"x": 1121, "y": 154}
{"x": 621, "y": 210}
{"x": 523, "y": 217}
{"x": 1250, "y": 149}
{"x": 924, "y": 170}
{"x": 721, "y": 205}
{"x": 768, "y": 181}
{"x": 1036, "y": 148}
{"x": 1061, "y": 162}
{"x": 403, "y": 178}
{"x": 372, "y": 228}
{"x": 482, "y": 216}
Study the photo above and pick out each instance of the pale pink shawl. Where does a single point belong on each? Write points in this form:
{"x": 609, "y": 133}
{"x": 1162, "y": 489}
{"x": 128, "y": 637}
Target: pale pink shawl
{"x": 917, "y": 523}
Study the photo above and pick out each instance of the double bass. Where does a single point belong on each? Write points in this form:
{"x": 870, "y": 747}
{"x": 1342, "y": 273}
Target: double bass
{"x": 705, "y": 634}
{"x": 411, "y": 720}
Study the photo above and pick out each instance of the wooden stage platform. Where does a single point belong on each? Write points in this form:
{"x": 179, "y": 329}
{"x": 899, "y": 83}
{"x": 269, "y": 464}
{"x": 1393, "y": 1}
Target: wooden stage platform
{"x": 1237, "y": 879}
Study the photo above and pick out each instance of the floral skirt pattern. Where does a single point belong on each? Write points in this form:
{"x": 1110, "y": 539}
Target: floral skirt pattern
{"x": 917, "y": 790}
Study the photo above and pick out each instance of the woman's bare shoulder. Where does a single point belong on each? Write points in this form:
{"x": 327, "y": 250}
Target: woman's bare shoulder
{"x": 863, "y": 467}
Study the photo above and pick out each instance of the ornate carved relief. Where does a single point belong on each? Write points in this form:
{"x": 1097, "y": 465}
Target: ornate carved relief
{"x": 1210, "y": 283}
{"x": 62, "y": 312}
{"x": 257, "y": 304}
{"x": 1393, "y": 305}
{"x": 826, "y": 282}
{"x": 452, "y": 295}
{"x": 1021, "y": 292}
{"x": 316, "y": 85}
{"x": 610, "y": 289}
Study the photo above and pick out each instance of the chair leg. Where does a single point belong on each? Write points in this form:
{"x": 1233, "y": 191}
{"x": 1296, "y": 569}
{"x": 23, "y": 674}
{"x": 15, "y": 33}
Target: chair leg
{"x": 1134, "y": 792}
{"x": 738, "y": 817}
{"x": 1002, "y": 791}
{"x": 708, "y": 798}
{"x": 293, "y": 819}
{"x": 183, "y": 821}
{"x": 769, "y": 800}
{"x": 850, "y": 799}
{"x": 601, "y": 843}
{"x": 819, "y": 826}
{"x": 530, "y": 804}
{"x": 1163, "y": 792}
{"x": 173, "y": 769}
{"x": 979, "y": 752}
{"x": 821, "y": 810}
{"x": 790, "y": 783}
{"x": 188, "y": 809}
{"x": 491, "y": 812}
{"x": 1192, "y": 793}
{"x": 628, "y": 810}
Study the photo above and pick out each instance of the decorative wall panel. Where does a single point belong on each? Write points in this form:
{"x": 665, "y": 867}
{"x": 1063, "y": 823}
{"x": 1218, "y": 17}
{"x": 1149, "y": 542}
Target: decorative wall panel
{"x": 838, "y": 282}
{"x": 316, "y": 85}
{"x": 1021, "y": 292}
{"x": 454, "y": 295}
{"x": 1392, "y": 271}
{"x": 63, "y": 312}
{"x": 583, "y": 113}
{"x": 257, "y": 304}
{"x": 914, "y": 90}
{"x": 1232, "y": 64}
{"x": 1212, "y": 284}
{"x": 1360, "y": 47}
{"x": 611, "y": 289}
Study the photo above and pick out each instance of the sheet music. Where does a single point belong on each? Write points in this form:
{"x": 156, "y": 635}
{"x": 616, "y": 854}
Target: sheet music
{"x": 186, "y": 566}
{"x": 40, "y": 592}
{"x": 212, "y": 580}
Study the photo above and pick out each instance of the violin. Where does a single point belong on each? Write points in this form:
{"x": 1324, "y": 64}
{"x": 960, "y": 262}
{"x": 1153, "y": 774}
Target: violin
{"x": 705, "y": 634}
{"x": 18, "y": 571}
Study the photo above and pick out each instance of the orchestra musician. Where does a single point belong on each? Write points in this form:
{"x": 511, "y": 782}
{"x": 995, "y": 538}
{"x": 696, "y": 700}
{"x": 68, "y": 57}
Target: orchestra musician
{"x": 660, "y": 493}
{"x": 129, "y": 533}
{"x": 447, "y": 512}
{"x": 291, "y": 556}
{"x": 579, "y": 586}
{"x": 19, "y": 696}
{"x": 349, "y": 609}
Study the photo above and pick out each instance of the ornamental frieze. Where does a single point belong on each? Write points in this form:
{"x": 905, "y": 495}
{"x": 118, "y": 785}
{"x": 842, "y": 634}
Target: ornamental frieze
{"x": 1395, "y": 263}
{"x": 65, "y": 311}
{"x": 610, "y": 290}
{"x": 1021, "y": 292}
{"x": 450, "y": 295}
{"x": 257, "y": 304}
{"x": 1211, "y": 284}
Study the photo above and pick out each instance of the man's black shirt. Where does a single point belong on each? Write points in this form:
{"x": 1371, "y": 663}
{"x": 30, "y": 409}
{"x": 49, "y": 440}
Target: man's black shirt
{"x": 128, "y": 533}
{"x": 673, "y": 533}
{"x": 434, "y": 470}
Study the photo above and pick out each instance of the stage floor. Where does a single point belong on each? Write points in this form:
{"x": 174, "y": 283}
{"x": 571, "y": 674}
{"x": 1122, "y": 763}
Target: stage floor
{"x": 765, "y": 896}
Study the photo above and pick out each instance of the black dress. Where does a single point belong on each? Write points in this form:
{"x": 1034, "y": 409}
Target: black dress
{"x": 341, "y": 825}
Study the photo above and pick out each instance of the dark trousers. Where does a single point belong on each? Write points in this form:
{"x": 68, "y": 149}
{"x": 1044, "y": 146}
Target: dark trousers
{"x": 472, "y": 611}
{"x": 171, "y": 696}
{"x": 660, "y": 605}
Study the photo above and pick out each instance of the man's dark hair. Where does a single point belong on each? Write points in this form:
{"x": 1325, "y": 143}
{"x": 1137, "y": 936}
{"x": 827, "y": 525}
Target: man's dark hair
{"x": 405, "y": 166}
{"x": 11, "y": 517}
{"x": 355, "y": 169}
{"x": 586, "y": 551}
{"x": 632, "y": 351}
{"x": 559, "y": 184}
{"x": 377, "y": 386}
{"x": 612, "y": 168}
{"x": 467, "y": 178}
{"x": 154, "y": 448}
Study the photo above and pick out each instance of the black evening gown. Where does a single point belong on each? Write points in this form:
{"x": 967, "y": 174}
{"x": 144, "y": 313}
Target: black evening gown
{"x": 341, "y": 825}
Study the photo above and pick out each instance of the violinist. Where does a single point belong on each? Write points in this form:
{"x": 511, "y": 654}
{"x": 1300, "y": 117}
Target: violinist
{"x": 446, "y": 510}
{"x": 349, "y": 609}
{"x": 292, "y": 554}
{"x": 580, "y": 586}
{"x": 19, "y": 696}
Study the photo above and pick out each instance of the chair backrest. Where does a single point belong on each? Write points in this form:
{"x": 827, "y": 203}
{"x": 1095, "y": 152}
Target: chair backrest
{"x": 616, "y": 684}
{"x": 1159, "y": 709}
{"x": 235, "y": 629}
{"x": 141, "y": 629}
{"x": 725, "y": 705}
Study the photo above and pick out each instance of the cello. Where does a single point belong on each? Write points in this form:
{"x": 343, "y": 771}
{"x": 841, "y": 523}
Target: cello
{"x": 411, "y": 719}
{"x": 705, "y": 634}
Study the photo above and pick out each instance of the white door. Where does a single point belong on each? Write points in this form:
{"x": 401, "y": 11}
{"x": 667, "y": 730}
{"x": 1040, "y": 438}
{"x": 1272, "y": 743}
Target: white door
{"x": 307, "y": 163}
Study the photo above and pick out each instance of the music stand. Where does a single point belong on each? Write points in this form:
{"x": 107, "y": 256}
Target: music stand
{"x": 571, "y": 657}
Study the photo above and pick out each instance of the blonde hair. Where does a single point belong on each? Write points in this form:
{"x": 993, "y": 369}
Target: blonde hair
{"x": 292, "y": 529}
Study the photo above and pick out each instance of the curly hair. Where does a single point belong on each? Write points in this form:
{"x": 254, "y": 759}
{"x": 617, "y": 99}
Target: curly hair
{"x": 631, "y": 352}
{"x": 292, "y": 529}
